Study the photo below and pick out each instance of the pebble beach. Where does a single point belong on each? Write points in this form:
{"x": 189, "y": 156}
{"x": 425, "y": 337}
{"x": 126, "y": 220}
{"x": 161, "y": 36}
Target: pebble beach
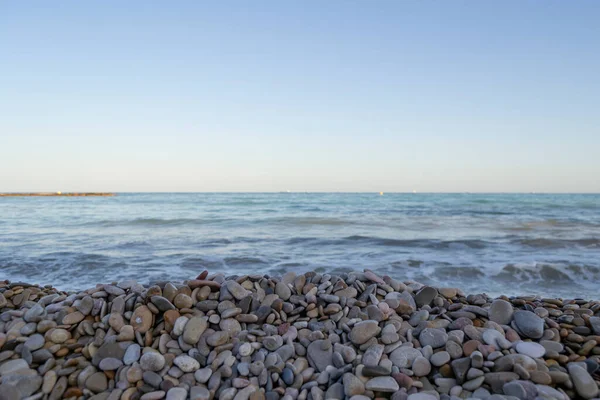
{"x": 356, "y": 335}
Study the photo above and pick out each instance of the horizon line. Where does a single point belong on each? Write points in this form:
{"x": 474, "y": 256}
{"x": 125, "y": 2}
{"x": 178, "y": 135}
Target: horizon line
{"x": 301, "y": 192}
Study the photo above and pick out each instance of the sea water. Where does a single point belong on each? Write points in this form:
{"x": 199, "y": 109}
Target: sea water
{"x": 513, "y": 244}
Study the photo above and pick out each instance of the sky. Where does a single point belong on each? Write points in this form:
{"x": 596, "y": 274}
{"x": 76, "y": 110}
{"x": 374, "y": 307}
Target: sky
{"x": 390, "y": 96}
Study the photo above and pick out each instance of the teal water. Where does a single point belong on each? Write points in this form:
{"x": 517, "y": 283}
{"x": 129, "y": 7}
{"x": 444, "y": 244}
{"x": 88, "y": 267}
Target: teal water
{"x": 494, "y": 243}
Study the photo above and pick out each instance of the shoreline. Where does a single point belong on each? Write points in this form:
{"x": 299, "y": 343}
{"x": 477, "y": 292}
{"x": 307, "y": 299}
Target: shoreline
{"x": 57, "y": 194}
{"x": 353, "y": 336}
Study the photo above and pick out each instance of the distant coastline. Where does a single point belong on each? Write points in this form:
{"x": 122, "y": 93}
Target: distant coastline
{"x": 56, "y": 194}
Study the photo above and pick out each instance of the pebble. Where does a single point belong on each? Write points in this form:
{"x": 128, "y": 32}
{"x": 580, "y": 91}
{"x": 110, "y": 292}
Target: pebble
{"x": 152, "y": 361}
{"x": 529, "y": 324}
{"x": 186, "y": 363}
{"x": 433, "y": 337}
{"x": 531, "y": 349}
{"x": 303, "y": 336}
{"x": 363, "y": 331}
{"x": 382, "y": 384}
{"x": 585, "y": 385}
{"x": 501, "y": 312}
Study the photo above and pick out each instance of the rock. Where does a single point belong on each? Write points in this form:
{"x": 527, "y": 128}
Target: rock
{"x": 529, "y": 324}
{"x": 520, "y": 389}
{"x": 203, "y": 375}
{"x": 501, "y": 312}
{"x": 584, "y": 384}
{"x": 497, "y": 380}
{"x": 141, "y": 319}
{"x": 382, "y": 384}
{"x": 59, "y": 335}
{"x": 97, "y": 382}
{"x": 186, "y": 363}
{"x": 352, "y": 385}
{"x": 440, "y": 358}
{"x": 320, "y": 354}
{"x": 86, "y": 305}
{"x": 425, "y": 296}
{"x": 531, "y": 349}
{"x": 132, "y": 354}
{"x": 12, "y": 366}
{"x": 236, "y": 290}
{"x": 162, "y": 303}
{"x": 152, "y": 361}
{"x": 194, "y": 329}
{"x": 363, "y": 331}
{"x": 433, "y": 337}
{"x": 421, "y": 366}
{"x": 283, "y": 291}
{"x": 34, "y": 342}
{"x": 460, "y": 367}
{"x": 595, "y": 324}
{"x": 110, "y": 364}
{"x": 73, "y": 318}
{"x": 199, "y": 393}
{"x": 403, "y": 357}
{"x": 421, "y": 396}
{"x": 26, "y": 385}
{"x": 373, "y": 355}
{"x": 177, "y": 393}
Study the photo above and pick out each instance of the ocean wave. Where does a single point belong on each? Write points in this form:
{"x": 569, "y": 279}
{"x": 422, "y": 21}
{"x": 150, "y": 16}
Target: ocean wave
{"x": 155, "y": 222}
{"x": 309, "y": 221}
{"x": 550, "y": 243}
{"x": 423, "y": 243}
{"x": 244, "y": 261}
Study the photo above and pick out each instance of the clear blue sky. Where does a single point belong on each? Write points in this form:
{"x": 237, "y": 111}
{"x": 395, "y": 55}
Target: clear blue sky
{"x": 300, "y": 95}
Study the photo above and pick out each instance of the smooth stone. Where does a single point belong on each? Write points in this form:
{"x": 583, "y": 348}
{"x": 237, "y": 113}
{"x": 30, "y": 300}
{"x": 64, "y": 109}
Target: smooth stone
{"x": 363, "y": 331}
{"x": 403, "y": 357}
{"x": 132, "y": 354}
{"x": 203, "y": 375}
{"x": 73, "y": 318}
{"x": 433, "y": 337}
{"x": 35, "y": 342}
{"x": 520, "y": 389}
{"x": 199, "y": 393}
{"x": 531, "y": 349}
{"x": 236, "y": 290}
{"x": 177, "y": 393}
{"x": 382, "y": 384}
{"x": 529, "y": 324}
{"x": 152, "y": 361}
{"x": 501, "y": 312}
{"x": 373, "y": 355}
{"x": 194, "y": 328}
{"x": 425, "y": 296}
{"x": 97, "y": 382}
{"x": 320, "y": 354}
{"x": 186, "y": 363}
{"x": 13, "y": 366}
{"x": 584, "y": 383}
{"x": 497, "y": 380}
{"x": 352, "y": 385}
{"x": 421, "y": 366}
{"x": 283, "y": 291}
{"x": 141, "y": 319}
{"x": 110, "y": 364}
{"x": 25, "y": 384}
{"x": 421, "y": 396}
{"x": 440, "y": 358}
{"x": 460, "y": 367}
{"x": 595, "y": 324}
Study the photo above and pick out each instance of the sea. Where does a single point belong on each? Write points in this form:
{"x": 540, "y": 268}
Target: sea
{"x": 499, "y": 244}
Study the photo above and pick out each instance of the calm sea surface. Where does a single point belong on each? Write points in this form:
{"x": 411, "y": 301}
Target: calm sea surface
{"x": 499, "y": 244}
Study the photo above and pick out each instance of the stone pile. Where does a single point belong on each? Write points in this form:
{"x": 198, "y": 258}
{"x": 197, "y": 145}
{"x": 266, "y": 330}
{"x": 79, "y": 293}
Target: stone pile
{"x": 307, "y": 336}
